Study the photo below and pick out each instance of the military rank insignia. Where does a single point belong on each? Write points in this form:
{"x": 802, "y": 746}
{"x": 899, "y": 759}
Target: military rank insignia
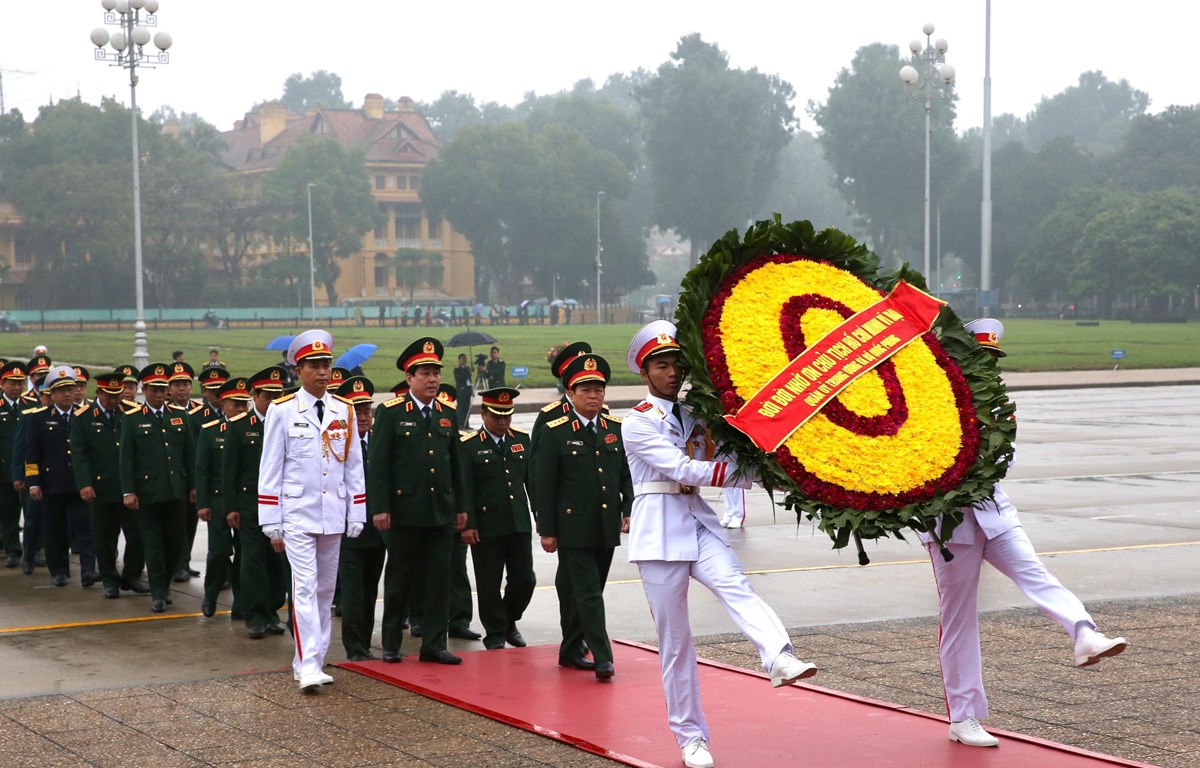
{"x": 517, "y": 448}
{"x": 176, "y": 422}
{"x": 445, "y": 423}
{"x": 610, "y": 439}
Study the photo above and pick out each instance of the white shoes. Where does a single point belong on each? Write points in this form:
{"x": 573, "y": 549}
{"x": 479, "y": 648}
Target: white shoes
{"x": 696, "y": 755}
{"x": 1091, "y": 646}
{"x": 971, "y": 733}
{"x": 787, "y": 669}
{"x": 310, "y": 683}
{"x": 732, "y": 524}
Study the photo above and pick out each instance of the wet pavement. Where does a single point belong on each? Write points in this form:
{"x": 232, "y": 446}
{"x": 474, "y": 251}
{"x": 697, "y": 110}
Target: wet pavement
{"x": 1107, "y": 480}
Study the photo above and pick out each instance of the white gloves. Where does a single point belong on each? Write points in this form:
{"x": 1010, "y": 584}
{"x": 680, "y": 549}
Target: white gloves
{"x": 274, "y": 532}
{"x": 354, "y": 530}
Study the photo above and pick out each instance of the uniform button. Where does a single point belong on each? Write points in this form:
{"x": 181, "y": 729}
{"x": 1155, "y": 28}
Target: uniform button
{"x": 600, "y": 470}
{"x": 431, "y": 453}
{"x": 510, "y": 496}
{"x": 568, "y": 510}
{"x": 604, "y": 488}
{"x": 507, "y": 471}
{"x": 603, "y": 506}
{"x": 574, "y": 453}
{"x": 325, "y": 472}
{"x": 399, "y": 492}
{"x": 485, "y": 509}
{"x": 433, "y": 470}
{"x": 324, "y": 491}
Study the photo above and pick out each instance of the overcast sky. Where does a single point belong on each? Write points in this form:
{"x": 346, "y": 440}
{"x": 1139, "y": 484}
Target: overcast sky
{"x": 227, "y": 56}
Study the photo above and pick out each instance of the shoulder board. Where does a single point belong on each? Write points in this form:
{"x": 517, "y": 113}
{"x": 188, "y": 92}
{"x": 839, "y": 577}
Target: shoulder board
{"x": 81, "y": 410}
{"x": 343, "y": 399}
{"x": 467, "y": 436}
{"x": 133, "y": 409}
{"x": 558, "y": 422}
{"x": 643, "y": 406}
{"x": 195, "y": 410}
{"x": 551, "y": 406}
{"x": 448, "y": 405}
{"x": 210, "y": 423}
{"x": 241, "y": 415}
{"x": 131, "y": 403}
{"x": 172, "y": 406}
{"x": 285, "y": 398}
{"x": 393, "y": 402}
{"x": 38, "y": 409}
{"x": 604, "y": 407}
{"x": 613, "y": 419}
{"x": 517, "y": 431}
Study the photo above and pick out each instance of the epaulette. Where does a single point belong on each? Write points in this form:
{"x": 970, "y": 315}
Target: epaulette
{"x": 241, "y": 415}
{"x": 285, "y": 398}
{"x": 343, "y": 399}
{"x": 82, "y": 410}
{"x": 195, "y": 410}
{"x": 468, "y": 436}
{"x": 177, "y": 407}
{"x": 37, "y": 409}
{"x": 604, "y": 407}
{"x": 449, "y": 405}
{"x": 558, "y": 422}
{"x": 210, "y": 423}
{"x": 518, "y": 431}
{"x": 393, "y": 402}
{"x": 137, "y": 408}
{"x": 613, "y": 419}
{"x": 551, "y": 406}
{"x": 131, "y": 403}
{"x": 644, "y": 406}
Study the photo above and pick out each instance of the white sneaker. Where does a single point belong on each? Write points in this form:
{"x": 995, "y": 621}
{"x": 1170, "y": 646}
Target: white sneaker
{"x": 732, "y": 524}
{"x": 696, "y": 755}
{"x": 1091, "y": 646}
{"x": 971, "y": 733}
{"x": 312, "y": 682}
{"x": 788, "y": 669}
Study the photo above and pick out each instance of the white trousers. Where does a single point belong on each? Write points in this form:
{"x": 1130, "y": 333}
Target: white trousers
{"x": 666, "y": 586}
{"x": 314, "y": 561}
{"x": 1012, "y": 554}
{"x": 735, "y": 507}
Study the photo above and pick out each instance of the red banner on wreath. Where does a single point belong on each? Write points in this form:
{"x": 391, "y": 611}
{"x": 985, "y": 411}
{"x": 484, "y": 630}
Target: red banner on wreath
{"x": 820, "y": 373}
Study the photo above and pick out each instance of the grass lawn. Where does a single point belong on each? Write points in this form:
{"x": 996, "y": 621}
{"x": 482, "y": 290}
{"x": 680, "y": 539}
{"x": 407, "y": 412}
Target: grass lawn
{"x": 1032, "y": 345}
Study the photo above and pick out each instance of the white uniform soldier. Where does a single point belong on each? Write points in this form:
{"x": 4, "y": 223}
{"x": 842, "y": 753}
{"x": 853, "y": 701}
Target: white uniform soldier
{"x": 991, "y": 531}
{"x": 311, "y": 491}
{"x": 675, "y": 536}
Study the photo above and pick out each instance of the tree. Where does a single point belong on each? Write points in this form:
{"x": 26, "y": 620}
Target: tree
{"x": 873, "y": 134}
{"x": 415, "y": 267}
{"x": 1096, "y": 112}
{"x": 806, "y": 187}
{"x": 713, "y": 137}
{"x": 452, "y": 111}
{"x": 320, "y": 89}
{"x": 343, "y": 209}
{"x": 1160, "y": 151}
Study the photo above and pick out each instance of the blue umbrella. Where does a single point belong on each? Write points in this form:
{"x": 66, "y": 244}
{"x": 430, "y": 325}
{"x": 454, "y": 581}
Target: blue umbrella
{"x": 356, "y": 355}
{"x": 280, "y": 343}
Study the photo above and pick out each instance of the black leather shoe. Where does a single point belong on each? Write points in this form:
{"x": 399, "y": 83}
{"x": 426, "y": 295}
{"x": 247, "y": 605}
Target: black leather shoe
{"x": 580, "y": 662}
{"x": 158, "y": 606}
{"x": 40, "y": 559}
{"x": 136, "y": 586}
{"x": 275, "y": 628}
{"x": 514, "y": 639}
{"x": 493, "y": 645}
{"x": 60, "y": 580}
{"x": 605, "y": 671}
{"x": 12, "y": 560}
{"x": 208, "y": 608}
{"x": 26, "y": 567}
{"x": 226, "y": 586}
{"x": 88, "y": 579}
{"x": 111, "y": 593}
{"x": 193, "y": 573}
{"x": 368, "y": 656}
{"x": 182, "y": 575}
{"x": 415, "y": 630}
{"x": 237, "y": 616}
{"x": 393, "y": 657}
{"x": 441, "y": 657}
{"x": 464, "y": 633}
{"x": 170, "y": 600}
{"x": 256, "y": 632}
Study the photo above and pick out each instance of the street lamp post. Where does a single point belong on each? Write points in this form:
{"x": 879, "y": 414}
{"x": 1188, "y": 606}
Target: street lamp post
{"x": 599, "y": 251}
{"x": 312, "y": 268}
{"x": 134, "y": 17}
{"x": 930, "y": 78}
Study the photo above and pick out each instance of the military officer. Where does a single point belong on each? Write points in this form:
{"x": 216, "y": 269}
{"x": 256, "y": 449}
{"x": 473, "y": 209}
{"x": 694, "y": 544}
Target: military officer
{"x": 582, "y": 499}
{"x": 263, "y": 572}
{"x": 96, "y": 462}
{"x": 495, "y": 464}
{"x": 311, "y": 492}
{"x": 413, "y": 480}
{"x": 12, "y": 382}
{"x": 211, "y": 379}
{"x": 362, "y": 559}
{"x": 223, "y": 559}
{"x": 82, "y": 376}
{"x": 38, "y": 367}
{"x": 179, "y": 392}
{"x": 676, "y": 537}
{"x": 50, "y": 480}
{"x": 32, "y": 539}
{"x": 129, "y": 389}
{"x": 158, "y": 477}
{"x": 562, "y": 406}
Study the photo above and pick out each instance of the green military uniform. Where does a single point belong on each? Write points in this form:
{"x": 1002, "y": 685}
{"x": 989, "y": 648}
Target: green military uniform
{"x": 413, "y": 477}
{"x": 158, "y": 465}
{"x": 495, "y": 488}
{"x": 31, "y": 540}
{"x": 223, "y": 559}
{"x": 583, "y": 493}
{"x": 96, "y": 454}
{"x": 10, "y": 500}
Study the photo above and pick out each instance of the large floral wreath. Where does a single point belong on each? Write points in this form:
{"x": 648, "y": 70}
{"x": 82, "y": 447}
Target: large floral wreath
{"x": 925, "y": 433}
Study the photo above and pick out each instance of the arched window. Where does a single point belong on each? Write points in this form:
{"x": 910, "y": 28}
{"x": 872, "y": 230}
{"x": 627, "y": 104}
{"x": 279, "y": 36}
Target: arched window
{"x": 382, "y": 271}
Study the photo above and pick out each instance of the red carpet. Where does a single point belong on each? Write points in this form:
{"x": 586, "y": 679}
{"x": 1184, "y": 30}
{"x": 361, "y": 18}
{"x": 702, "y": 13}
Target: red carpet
{"x": 752, "y": 724}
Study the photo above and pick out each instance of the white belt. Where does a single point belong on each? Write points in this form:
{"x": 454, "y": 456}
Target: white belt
{"x": 663, "y": 486}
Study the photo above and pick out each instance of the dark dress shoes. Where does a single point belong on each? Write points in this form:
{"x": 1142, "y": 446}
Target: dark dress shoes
{"x": 11, "y": 560}
{"x": 393, "y": 657}
{"x": 111, "y": 593}
{"x": 137, "y": 586}
{"x": 604, "y": 670}
{"x": 256, "y": 632}
{"x": 60, "y": 580}
{"x": 368, "y": 656}
{"x": 208, "y": 608}
{"x": 493, "y": 645}
{"x": 26, "y": 567}
{"x": 237, "y": 616}
{"x": 88, "y": 579}
{"x": 415, "y": 630}
{"x": 40, "y": 559}
{"x": 579, "y": 662}
{"x": 514, "y": 639}
{"x": 182, "y": 575}
{"x": 441, "y": 657}
{"x": 464, "y": 633}
{"x": 158, "y": 606}
{"x": 193, "y": 573}
{"x": 275, "y": 628}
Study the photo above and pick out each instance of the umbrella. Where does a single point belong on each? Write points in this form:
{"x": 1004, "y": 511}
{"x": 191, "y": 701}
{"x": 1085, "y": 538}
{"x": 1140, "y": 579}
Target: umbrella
{"x": 279, "y": 343}
{"x": 356, "y": 355}
{"x": 525, "y": 303}
{"x": 556, "y": 303}
{"x": 572, "y": 303}
{"x": 470, "y": 339}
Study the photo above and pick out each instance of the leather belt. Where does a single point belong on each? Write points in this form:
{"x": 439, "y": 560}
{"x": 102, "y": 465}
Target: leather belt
{"x": 663, "y": 486}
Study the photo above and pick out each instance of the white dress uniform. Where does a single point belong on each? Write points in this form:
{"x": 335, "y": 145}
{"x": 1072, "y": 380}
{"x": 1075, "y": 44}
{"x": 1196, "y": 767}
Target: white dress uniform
{"x": 675, "y": 535}
{"x": 734, "y": 514}
{"x": 311, "y": 483}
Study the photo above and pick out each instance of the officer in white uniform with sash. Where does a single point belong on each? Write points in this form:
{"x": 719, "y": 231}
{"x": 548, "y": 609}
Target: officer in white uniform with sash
{"x": 675, "y": 536}
{"x": 311, "y": 491}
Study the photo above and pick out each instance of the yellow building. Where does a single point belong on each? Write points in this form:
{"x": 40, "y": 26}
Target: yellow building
{"x": 397, "y": 146}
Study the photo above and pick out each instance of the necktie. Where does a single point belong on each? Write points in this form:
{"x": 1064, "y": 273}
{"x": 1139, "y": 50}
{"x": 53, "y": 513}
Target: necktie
{"x": 320, "y": 406}
{"x": 364, "y": 449}
{"x": 592, "y": 427}
{"x": 677, "y": 412}
{"x": 499, "y": 446}
{"x": 427, "y": 412}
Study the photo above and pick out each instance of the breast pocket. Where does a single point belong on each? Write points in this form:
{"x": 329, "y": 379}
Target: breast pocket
{"x": 302, "y": 441}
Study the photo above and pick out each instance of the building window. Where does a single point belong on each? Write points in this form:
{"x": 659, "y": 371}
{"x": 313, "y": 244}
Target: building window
{"x": 414, "y": 182}
{"x": 401, "y": 182}
{"x": 381, "y": 273}
{"x": 381, "y": 182}
{"x": 408, "y": 228}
